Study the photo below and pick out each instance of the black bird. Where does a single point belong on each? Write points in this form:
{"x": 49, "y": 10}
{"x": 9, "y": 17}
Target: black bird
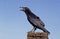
{"x": 34, "y": 20}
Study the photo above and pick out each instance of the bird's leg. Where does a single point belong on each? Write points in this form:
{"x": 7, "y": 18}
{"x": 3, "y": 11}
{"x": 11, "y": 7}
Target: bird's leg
{"x": 33, "y": 30}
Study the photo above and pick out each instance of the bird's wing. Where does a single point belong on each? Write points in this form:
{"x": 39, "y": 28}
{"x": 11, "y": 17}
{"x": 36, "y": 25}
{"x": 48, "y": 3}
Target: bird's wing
{"x": 36, "y": 22}
{"x": 41, "y": 22}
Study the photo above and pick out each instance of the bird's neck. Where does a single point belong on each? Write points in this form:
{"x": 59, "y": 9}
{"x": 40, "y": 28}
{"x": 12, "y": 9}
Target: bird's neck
{"x": 28, "y": 13}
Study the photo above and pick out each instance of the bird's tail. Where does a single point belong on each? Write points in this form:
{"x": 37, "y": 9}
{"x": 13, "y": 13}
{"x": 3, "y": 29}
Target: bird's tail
{"x": 45, "y": 30}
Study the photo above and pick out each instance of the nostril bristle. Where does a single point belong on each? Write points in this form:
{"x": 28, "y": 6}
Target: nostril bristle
{"x": 21, "y": 7}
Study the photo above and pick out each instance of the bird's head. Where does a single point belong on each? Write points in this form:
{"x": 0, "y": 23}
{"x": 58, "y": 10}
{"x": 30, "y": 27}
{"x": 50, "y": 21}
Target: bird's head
{"x": 25, "y": 9}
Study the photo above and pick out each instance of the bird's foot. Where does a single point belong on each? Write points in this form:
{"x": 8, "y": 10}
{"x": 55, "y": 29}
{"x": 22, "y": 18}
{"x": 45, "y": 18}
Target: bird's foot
{"x": 31, "y": 31}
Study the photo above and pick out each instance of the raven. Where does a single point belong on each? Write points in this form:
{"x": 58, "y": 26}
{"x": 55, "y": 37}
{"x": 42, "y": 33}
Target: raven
{"x": 34, "y": 20}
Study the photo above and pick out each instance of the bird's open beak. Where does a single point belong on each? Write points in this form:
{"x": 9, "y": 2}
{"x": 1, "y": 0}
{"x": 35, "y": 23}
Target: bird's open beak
{"x": 22, "y": 9}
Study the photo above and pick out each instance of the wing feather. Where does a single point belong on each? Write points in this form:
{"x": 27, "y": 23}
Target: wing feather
{"x": 36, "y": 21}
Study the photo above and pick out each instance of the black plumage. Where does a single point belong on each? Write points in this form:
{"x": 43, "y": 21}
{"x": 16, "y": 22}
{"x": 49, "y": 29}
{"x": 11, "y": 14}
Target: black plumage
{"x": 34, "y": 20}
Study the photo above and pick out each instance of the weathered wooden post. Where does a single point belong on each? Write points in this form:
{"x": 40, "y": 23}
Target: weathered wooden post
{"x": 37, "y": 35}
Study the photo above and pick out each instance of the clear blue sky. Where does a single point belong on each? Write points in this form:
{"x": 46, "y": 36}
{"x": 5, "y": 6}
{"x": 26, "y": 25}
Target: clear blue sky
{"x": 13, "y": 22}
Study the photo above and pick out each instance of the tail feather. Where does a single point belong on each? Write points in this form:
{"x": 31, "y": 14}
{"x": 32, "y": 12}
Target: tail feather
{"x": 45, "y": 30}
